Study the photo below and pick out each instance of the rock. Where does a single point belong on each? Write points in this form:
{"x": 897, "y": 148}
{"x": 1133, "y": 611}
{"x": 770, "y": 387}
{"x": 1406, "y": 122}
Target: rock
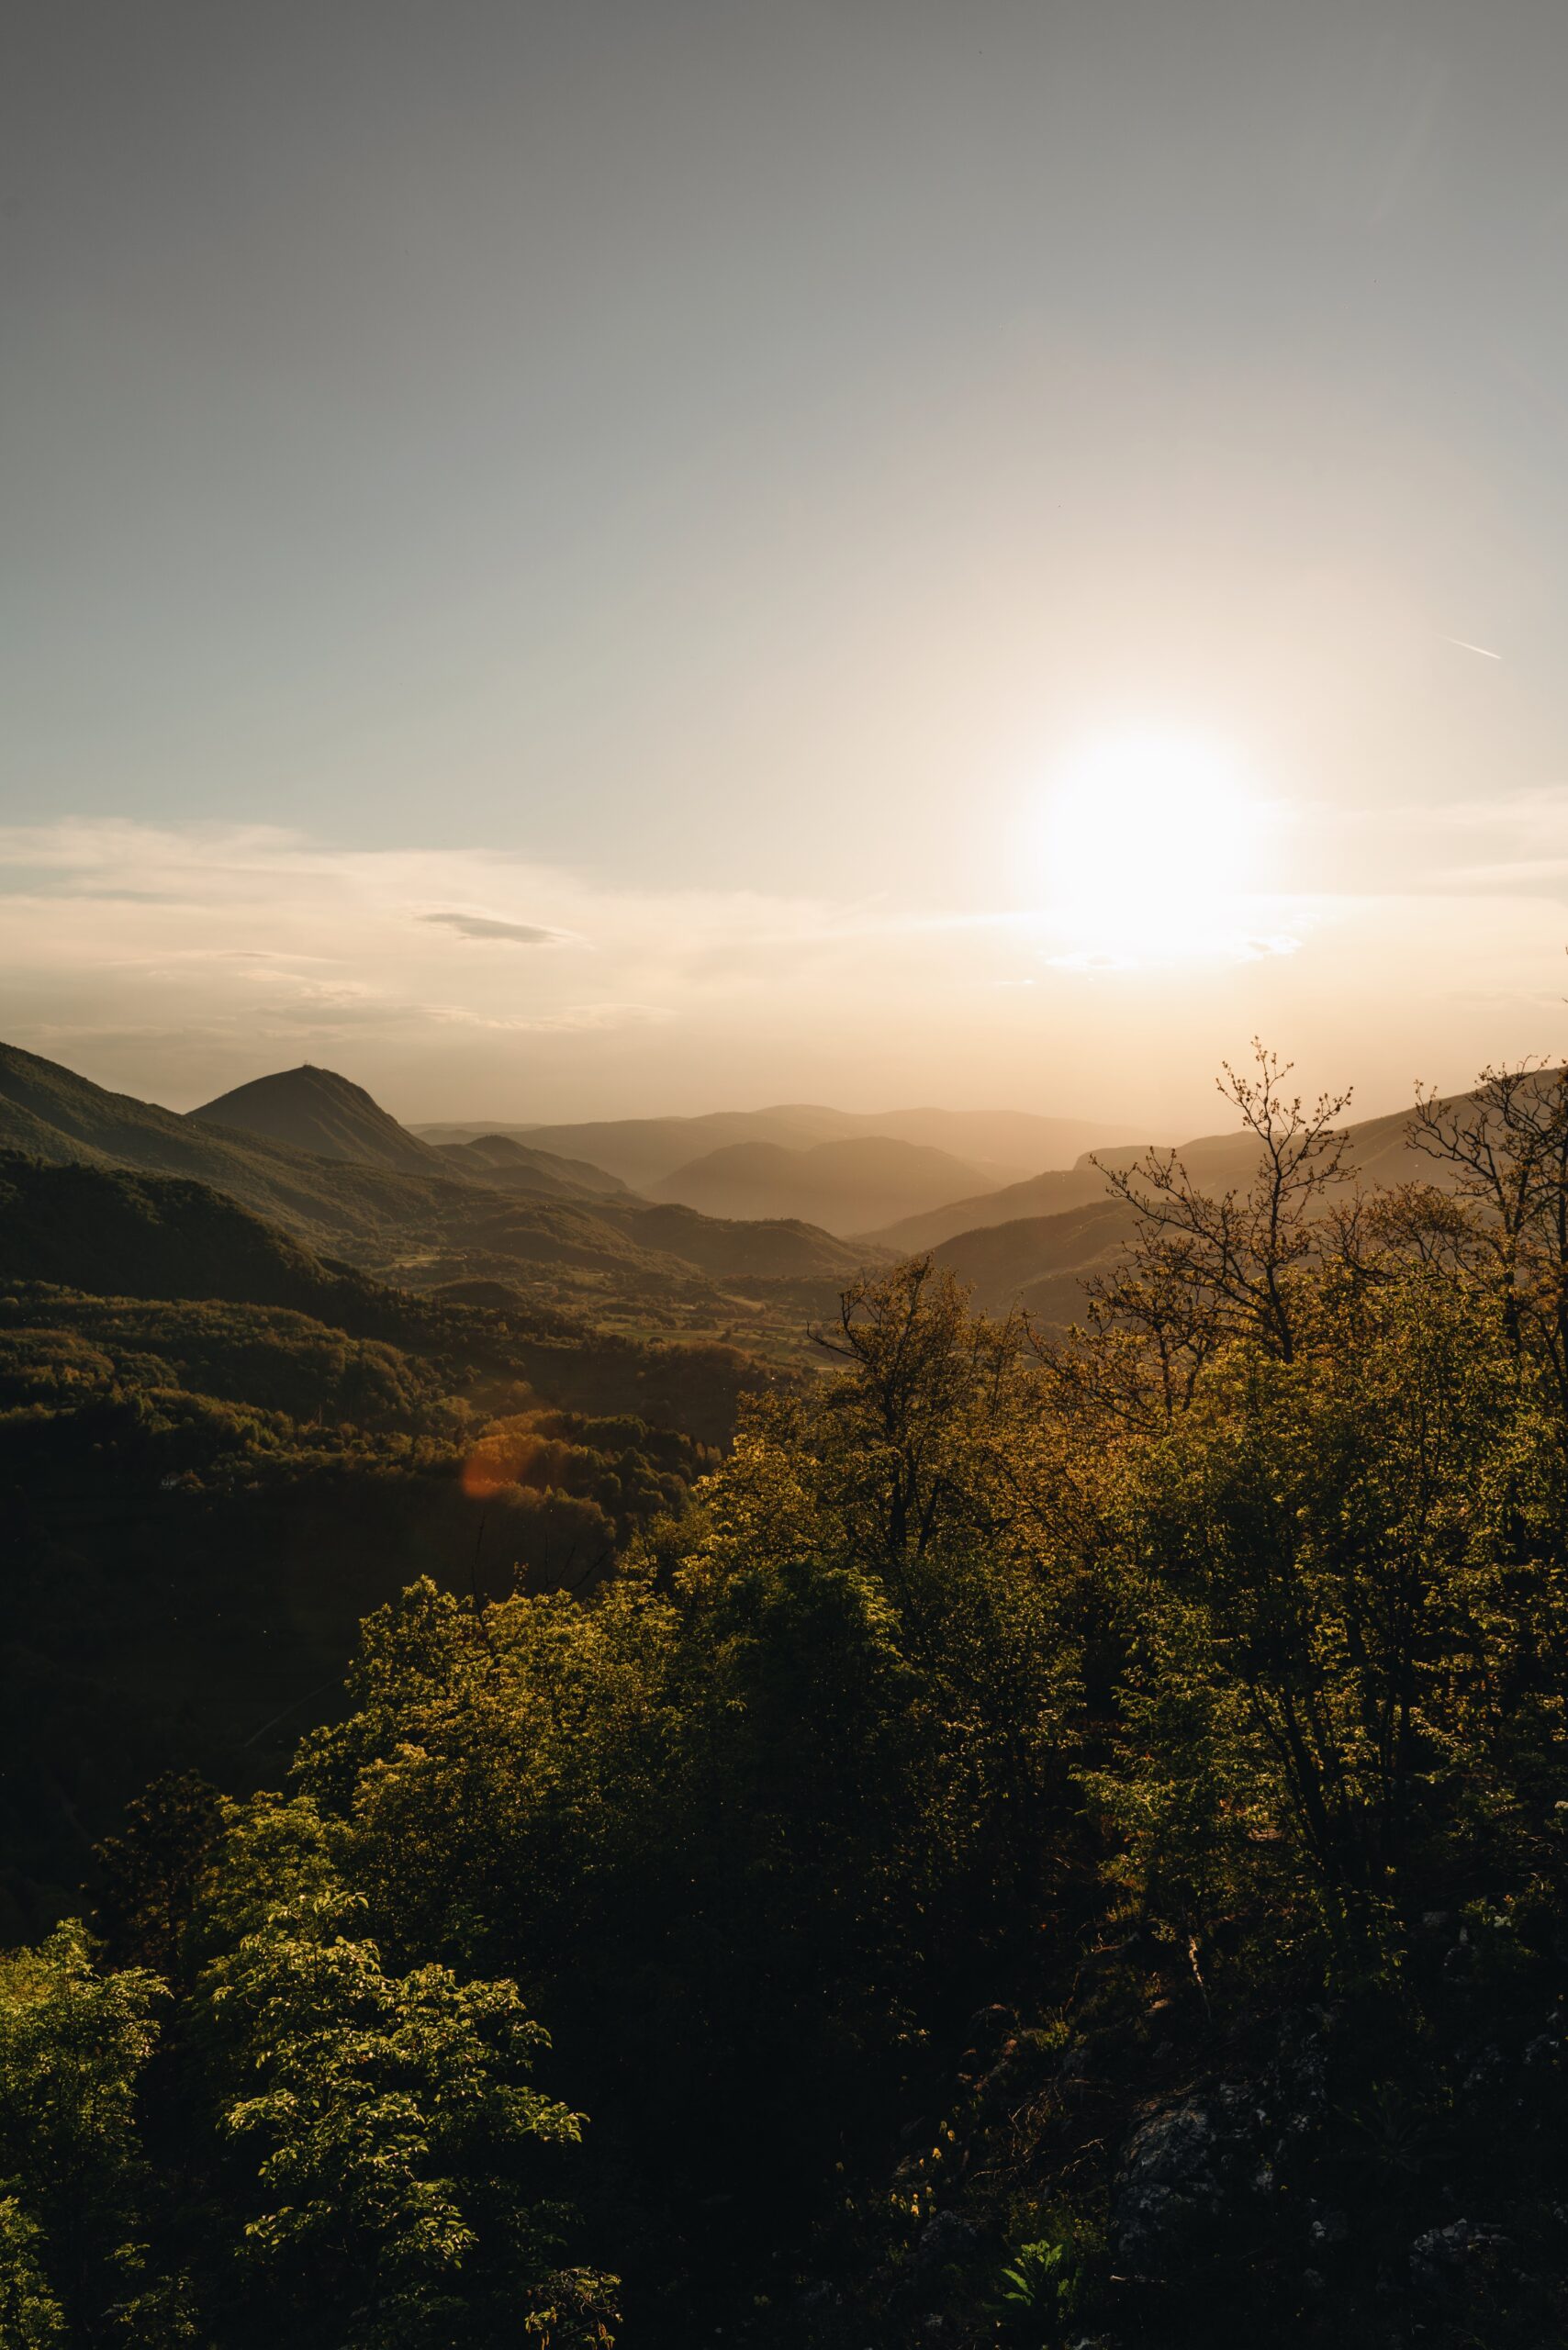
{"x": 989, "y": 2027}
{"x": 945, "y": 2238}
{"x": 1168, "y": 2189}
{"x": 1456, "y": 2257}
{"x": 819, "y": 2315}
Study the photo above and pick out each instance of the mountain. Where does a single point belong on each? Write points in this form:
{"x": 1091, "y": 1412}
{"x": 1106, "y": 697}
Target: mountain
{"x": 316, "y": 1110}
{"x": 1039, "y": 1261}
{"x": 766, "y": 1249}
{"x": 1009, "y": 1139}
{"x": 642, "y": 1151}
{"x": 845, "y": 1186}
{"x": 646, "y": 1249}
{"x": 58, "y": 1117}
{"x": 112, "y": 1233}
{"x": 512, "y": 1166}
{"x": 1041, "y": 1195}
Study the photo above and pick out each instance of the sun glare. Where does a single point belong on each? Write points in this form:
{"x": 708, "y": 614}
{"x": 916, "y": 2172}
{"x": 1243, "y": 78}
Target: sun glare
{"x": 1152, "y": 844}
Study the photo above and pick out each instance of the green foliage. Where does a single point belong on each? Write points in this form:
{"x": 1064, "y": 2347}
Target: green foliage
{"x": 151, "y": 1874}
{"x": 30, "y": 2317}
{"x": 74, "y": 2043}
{"x": 385, "y": 2120}
{"x": 1325, "y": 1605}
{"x": 1040, "y": 2290}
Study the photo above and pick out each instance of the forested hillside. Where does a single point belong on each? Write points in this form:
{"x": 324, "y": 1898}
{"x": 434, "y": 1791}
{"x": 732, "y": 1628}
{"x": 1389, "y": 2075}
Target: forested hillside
{"x": 1046, "y": 1840}
{"x": 216, "y": 1450}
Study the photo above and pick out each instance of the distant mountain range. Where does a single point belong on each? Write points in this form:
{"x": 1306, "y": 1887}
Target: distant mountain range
{"x": 847, "y": 1185}
{"x": 513, "y": 1166}
{"x": 645, "y": 1152}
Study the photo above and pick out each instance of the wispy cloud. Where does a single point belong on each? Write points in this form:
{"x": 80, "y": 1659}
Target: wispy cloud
{"x": 518, "y": 933}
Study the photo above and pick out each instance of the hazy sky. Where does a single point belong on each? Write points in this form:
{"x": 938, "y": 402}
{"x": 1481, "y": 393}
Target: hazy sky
{"x": 588, "y": 557}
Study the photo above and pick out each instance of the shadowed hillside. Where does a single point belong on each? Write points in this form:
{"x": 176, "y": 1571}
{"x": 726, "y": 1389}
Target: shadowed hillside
{"x": 58, "y": 1117}
{"x": 218, "y": 1450}
{"x": 105, "y": 1228}
{"x": 316, "y": 1110}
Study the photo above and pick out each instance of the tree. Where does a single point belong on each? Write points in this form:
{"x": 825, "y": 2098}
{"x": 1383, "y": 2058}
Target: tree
{"x": 395, "y": 2200}
{"x": 30, "y": 2317}
{"x": 150, "y": 1872}
{"x": 1201, "y": 1270}
{"x": 1320, "y": 1558}
{"x": 73, "y": 2045}
{"x": 1504, "y": 1153}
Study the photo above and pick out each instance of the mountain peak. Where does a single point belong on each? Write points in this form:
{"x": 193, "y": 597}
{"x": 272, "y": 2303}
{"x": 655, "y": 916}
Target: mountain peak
{"x": 315, "y": 1108}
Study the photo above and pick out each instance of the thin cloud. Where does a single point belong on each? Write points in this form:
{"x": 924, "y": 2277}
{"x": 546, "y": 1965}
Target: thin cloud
{"x": 517, "y": 934}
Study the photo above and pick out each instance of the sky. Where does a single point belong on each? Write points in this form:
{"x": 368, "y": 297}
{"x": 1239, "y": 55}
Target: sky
{"x": 633, "y": 556}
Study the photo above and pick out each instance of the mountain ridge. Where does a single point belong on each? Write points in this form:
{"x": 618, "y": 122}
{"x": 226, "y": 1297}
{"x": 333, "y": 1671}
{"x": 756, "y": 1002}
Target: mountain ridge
{"x": 839, "y": 1184}
{"x": 643, "y": 1150}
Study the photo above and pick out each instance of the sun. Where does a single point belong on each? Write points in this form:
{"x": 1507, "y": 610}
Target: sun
{"x": 1151, "y": 843}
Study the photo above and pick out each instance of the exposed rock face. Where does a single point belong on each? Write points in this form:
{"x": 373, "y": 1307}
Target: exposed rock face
{"x": 1170, "y": 2190}
{"x": 1194, "y": 2167}
{"x": 1461, "y": 2258}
